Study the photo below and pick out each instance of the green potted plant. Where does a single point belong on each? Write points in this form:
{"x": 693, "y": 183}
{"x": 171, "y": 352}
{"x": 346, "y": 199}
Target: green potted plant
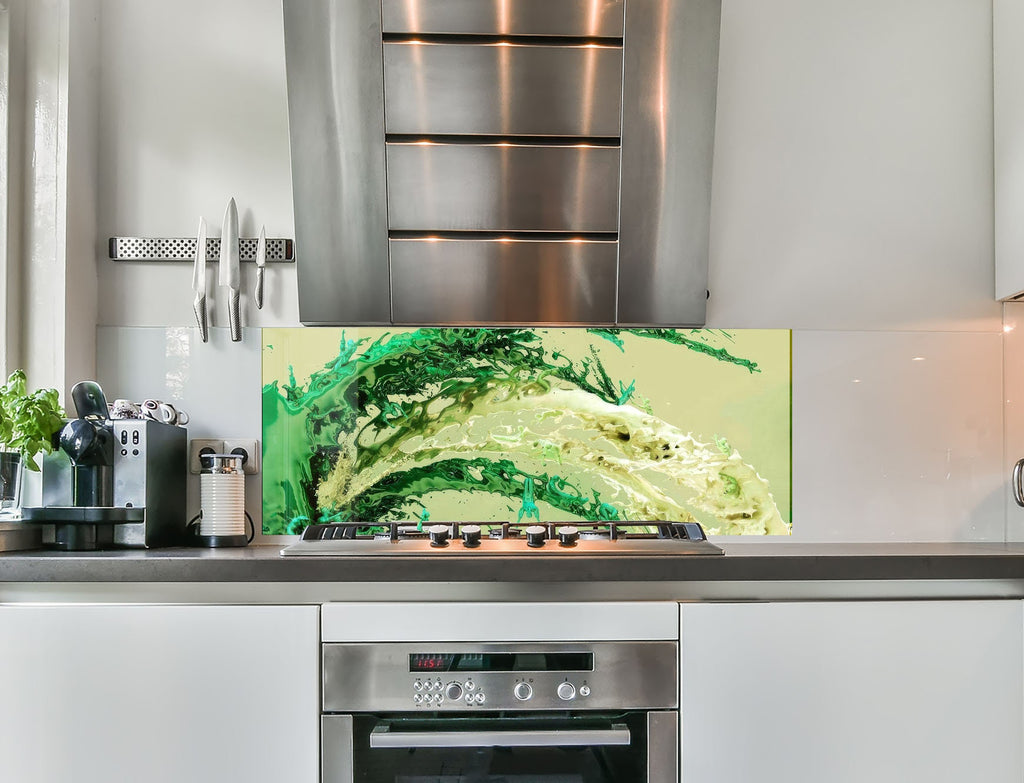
{"x": 28, "y": 423}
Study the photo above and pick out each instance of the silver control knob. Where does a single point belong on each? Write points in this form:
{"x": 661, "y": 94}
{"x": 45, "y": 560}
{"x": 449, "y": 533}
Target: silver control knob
{"x": 417, "y": 699}
{"x": 536, "y": 535}
{"x": 471, "y": 535}
{"x": 522, "y": 691}
{"x": 470, "y": 685}
{"x": 479, "y": 698}
{"x": 453, "y": 692}
{"x": 417, "y": 686}
{"x": 438, "y": 535}
{"x": 566, "y": 691}
{"x": 584, "y": 690}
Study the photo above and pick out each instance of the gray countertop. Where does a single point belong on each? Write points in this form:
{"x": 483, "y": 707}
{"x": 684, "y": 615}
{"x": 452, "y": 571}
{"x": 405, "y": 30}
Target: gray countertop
{"x": 743, "y": 562}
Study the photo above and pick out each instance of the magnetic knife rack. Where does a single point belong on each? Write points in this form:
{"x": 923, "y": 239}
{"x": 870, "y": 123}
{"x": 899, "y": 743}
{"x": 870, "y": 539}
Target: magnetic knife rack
{"x": 279, "y": 251}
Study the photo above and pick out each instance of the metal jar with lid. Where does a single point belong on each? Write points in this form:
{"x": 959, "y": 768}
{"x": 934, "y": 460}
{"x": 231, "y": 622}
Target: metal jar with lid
{"x": 222, "y": 498}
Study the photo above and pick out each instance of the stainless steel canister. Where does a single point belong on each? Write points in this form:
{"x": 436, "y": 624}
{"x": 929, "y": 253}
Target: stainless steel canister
{"x": 222, "y": 498}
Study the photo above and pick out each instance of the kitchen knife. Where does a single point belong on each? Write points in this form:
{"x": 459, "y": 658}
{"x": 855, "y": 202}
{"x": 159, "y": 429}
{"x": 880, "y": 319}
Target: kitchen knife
{"x": 199, "y": 281}
{"x": 229, "y": 275}
{"x": 261, "y": 262}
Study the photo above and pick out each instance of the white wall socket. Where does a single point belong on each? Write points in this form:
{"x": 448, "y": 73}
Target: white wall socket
{"x": 198, "y": 446}
{"x": 249, "y": 448}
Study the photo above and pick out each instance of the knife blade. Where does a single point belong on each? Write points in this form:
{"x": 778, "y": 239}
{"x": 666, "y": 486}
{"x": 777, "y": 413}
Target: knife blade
{"x": 229, "y": 273}
{"x": 199, "y": 282}
{"x": 261, "y": 262}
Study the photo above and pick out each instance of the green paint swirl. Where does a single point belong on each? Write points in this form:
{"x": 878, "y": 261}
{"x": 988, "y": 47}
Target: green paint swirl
{"x": 389, "y": 422}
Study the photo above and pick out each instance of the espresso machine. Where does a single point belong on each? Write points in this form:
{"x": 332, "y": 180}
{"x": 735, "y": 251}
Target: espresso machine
{"x": 111, "y": 482}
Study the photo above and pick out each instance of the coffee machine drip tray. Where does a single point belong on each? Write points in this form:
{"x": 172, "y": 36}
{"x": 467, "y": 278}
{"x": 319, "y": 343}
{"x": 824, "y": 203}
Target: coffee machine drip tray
{"x": 90, "y": 515}
{"x": 78, "y": 528}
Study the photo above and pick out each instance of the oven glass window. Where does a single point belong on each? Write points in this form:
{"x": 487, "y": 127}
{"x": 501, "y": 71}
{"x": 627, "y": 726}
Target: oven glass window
{"x": 482, "y": 759}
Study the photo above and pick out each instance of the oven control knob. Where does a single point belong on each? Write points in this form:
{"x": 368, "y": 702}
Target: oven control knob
{"x": 584, "y": 690}
{"x": 438, "y": 535}
{"x": 566, "y": 691}
{"x": 453, "y": 692}
{"x": 522, "y": 691}
{"x": 536, "y": 535}
{"x": 568, "y": 535}
{"x": 471, "y": 535}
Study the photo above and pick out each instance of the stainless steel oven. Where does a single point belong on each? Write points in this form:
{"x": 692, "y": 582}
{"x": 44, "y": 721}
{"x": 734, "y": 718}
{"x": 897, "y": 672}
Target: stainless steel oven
{"x": 517, "y": 712}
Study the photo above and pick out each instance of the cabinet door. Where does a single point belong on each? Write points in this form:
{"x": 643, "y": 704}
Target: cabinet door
{"x": 1008, "y": 127}
{"x": 906, "y": 692}
{"x": 162, "y": 694}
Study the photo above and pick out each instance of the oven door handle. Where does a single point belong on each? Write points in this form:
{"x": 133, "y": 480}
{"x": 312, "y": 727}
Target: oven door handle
{"x": 383, "y": 737}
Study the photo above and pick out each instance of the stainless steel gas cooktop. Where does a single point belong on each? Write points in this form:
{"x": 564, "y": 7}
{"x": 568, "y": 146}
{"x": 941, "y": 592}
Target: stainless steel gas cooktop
{"x": 455, "y": 539}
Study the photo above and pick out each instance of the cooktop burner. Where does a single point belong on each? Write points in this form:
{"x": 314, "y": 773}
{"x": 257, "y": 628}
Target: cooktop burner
{"x": 467, "y": 539}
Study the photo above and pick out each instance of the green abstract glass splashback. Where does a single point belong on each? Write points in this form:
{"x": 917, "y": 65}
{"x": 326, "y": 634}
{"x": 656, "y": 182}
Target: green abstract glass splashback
{"x": 493, "y": 425}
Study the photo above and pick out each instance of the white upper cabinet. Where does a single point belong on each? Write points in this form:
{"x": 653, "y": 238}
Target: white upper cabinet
{"x": 1008, "y": 95}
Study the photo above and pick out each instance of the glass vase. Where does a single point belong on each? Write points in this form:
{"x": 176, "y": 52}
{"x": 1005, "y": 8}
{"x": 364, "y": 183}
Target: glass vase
{"x": 11, "y": 469}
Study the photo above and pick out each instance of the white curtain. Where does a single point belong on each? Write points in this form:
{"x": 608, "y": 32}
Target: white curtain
{"x": 5, "y": 188}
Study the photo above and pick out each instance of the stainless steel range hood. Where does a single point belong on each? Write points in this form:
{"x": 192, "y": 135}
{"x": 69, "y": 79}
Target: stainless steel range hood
{"x": 502, "y": 161}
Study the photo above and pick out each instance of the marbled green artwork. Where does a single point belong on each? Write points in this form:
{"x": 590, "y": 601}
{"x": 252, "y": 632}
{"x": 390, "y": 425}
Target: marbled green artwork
{"x": 494, "y": 425}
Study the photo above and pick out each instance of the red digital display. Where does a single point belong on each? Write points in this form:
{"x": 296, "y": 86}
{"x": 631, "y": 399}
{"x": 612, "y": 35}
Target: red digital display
{"x": 430, "y": 662}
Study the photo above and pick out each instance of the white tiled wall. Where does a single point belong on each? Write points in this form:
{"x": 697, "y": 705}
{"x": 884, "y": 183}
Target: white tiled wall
{"x": 1013, "y": 391}
{"x": 216, "y": 383}
{"x": 897, "y": 436}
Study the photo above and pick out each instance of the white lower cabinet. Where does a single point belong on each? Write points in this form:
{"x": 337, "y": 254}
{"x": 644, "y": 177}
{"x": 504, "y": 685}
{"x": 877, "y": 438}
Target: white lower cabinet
{"x": 159, "y": 694}
{"x": 858, "y": 692}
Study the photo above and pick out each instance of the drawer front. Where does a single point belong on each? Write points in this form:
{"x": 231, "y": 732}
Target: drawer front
{"x": 596, "y": 18}
{"x": 505, "y": 281}
{"x": 502, "y": 89}
{"x": 502, "y": 187}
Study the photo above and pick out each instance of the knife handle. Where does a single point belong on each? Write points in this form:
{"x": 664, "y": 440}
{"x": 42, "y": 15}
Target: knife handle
{"x": 258, "y": 294}
{"x": 234, "y": 317}
{"x": 199, "y": 306}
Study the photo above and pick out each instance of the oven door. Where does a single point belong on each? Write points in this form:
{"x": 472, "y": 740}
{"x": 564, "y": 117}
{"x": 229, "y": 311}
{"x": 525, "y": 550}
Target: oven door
{"x": 630, "y": 747}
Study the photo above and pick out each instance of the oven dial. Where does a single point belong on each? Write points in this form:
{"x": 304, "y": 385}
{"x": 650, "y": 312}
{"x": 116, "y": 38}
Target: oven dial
{"x": 584, "y": 690}
{"x": 479, "y": 698}
{"x": 470, "y": 685}
{"x": 522, "y": 691}
{"x": 417, "y": 686}
{"x": 417, "y": 699}
{"x": 566, "y": 691}
{"x": 453, "y": 692}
